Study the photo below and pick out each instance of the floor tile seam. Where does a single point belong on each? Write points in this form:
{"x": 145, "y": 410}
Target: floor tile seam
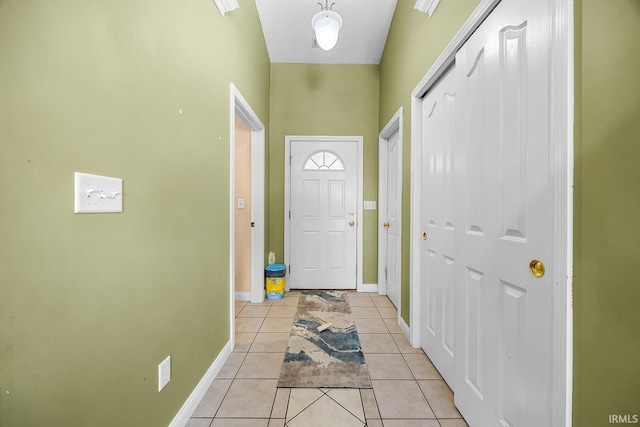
{"x": 288, "y": 420}
{"x": 244, "y": 417}
{"x": 273, "y": 404}
{"x": 422, "y": 392}
{"x": 413, "y": 419}
{"x": 261, "y": 323}
{"x": 327, "y": 395}
{"x": 222, "y": 400}
{"x": 395, "y": 343}
{"x": 235, "y": 375}
{"x": 383, "y": 304}
{"x": 426, "y": 399}
{"x": 259, "y": 378}
{"x": 286, "y": 405}
{"x": 379, "y": 417}
{"x": 411, "y": 370}
{"x": 375, "y": 398}
{"x": 250, "y": 317}
{"x": 343, "y": 407}
{"x": 254, "y": 338}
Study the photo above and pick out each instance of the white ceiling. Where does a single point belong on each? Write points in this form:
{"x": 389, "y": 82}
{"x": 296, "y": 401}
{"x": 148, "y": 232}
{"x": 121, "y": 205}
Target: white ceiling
{"x": 286, "y": 25}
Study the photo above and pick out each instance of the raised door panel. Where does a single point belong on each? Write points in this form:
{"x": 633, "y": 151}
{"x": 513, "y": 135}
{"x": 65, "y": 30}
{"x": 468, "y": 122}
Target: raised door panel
{"x": 438, "y": 222}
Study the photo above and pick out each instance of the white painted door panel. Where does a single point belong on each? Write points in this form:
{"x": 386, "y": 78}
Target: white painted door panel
{"x": 323, "y": 215}
{"x": 503, "y": 322}
{"x": 438, "y": 250}
{"x": 393, "y": 220}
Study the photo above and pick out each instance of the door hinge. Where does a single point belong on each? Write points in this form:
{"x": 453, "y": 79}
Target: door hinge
{"x": 289, "y": 214}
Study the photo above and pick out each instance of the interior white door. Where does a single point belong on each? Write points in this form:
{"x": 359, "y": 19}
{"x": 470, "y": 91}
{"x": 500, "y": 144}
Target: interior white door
{"x": 439, "y": 226}
{"x": 392, "y": 223}
{"x": 324, "y": 195}
{"x": 504, "y": 320}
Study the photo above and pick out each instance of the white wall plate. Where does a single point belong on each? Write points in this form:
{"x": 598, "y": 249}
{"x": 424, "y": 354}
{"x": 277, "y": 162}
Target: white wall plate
{"x": 97, "y": 194}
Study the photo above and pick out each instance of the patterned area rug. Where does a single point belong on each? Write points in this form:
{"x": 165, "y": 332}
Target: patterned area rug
{"x": 331, "y": 358}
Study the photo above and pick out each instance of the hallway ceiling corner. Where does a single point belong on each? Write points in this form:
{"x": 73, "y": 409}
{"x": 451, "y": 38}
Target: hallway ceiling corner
{"x": 286, "y": 25}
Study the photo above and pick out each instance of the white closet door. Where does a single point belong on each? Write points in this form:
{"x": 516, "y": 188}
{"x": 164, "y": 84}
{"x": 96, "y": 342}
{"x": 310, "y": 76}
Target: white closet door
{"x": 504, "y": 313}
{"x": 438, "y": 224}
{"x": 393, "y": 220}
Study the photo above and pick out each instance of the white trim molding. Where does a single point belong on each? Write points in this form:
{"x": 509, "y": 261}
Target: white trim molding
{"x": 188, "y": 408}
{"x": 427, "y": 6}
{"x": 243, "y": 296}
{"x": 225, "y": 6}
{"x": 368, "y": 287}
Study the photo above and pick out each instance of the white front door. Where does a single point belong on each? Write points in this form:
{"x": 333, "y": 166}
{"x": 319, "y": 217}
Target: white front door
{"x": 504, "y": 313}
{"x": 324, "y": 215}
{"x": 392, "y": 221}
{"x": 439, "y": 227}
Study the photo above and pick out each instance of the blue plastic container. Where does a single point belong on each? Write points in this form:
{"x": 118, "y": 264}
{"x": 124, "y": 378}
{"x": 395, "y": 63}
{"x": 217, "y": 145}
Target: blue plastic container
{"x": 274, "y": 280}
{"x": 275, "y": 270}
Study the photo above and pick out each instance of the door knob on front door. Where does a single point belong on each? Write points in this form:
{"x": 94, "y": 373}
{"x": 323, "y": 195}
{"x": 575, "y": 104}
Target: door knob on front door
{"x": 351, "y": 223}
{"x": 537, "y": 268}
{"x": 424, "y": 236}
{"x": 386, "y": 225}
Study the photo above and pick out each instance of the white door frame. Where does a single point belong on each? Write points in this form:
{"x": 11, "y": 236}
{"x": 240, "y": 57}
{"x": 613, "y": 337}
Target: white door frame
{"x": 287, "y": 196}
{"x": 394, "y": 125}
{"x": 561, "y": 119}
{"x": 239, "y": 106}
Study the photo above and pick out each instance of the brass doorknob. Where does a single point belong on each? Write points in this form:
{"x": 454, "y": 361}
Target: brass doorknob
{"x": 351, "y": 223}
{"x": 253, "y": 224}
{"x": 424, "y": 236}
{"x": 386, "y": 225}
{"x": 537, "y": 268}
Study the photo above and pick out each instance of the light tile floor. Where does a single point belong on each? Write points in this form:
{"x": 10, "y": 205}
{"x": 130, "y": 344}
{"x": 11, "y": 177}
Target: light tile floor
{"x": 407, "y": 389}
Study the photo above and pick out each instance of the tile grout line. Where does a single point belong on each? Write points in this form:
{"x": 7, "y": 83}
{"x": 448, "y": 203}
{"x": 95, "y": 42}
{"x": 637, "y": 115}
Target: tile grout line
{"x": 244, "y": 356}
{"x": 342, "y": 406}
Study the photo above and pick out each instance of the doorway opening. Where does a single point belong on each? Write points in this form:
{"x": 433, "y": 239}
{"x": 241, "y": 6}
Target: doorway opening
{"x": 247, "y": 122}
{"x": 390, "y": 209}
{"x": 323, "y": 211}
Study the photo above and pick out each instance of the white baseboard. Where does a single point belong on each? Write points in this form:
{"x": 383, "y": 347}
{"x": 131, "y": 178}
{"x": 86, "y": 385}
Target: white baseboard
{"x": 243, "y": 296}
{"x": 182, "y": 417}
{"x": 368, "y": 287}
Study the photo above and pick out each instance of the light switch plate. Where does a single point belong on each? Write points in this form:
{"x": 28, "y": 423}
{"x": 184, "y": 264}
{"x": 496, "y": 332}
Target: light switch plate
{"x": 164, "y": 373}
{"x": 369, "y": 205}
{"x": 97, "y": 194}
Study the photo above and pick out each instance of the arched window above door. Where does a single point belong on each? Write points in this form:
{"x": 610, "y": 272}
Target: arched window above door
{"x": 324, "y": 161}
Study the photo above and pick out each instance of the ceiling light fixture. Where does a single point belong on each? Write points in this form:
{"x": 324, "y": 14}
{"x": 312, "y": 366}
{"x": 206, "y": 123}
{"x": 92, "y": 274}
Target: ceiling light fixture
{"x": 326, "y": 25}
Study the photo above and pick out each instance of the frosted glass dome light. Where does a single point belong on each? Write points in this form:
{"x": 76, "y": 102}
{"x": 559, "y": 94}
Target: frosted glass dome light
{"x": 326, "y": 24}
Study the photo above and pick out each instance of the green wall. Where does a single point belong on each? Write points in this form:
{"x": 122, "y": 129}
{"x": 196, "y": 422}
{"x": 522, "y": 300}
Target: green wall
{"x": 324, "y": 100}
{"x": 607, "y": 207}
{"x": 90, "y": 304}
{"x": 414, "y": 44}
